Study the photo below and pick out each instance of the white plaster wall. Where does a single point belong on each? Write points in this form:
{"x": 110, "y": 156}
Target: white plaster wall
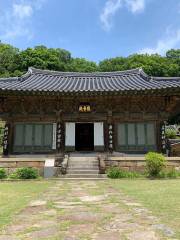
{"x": 99, "y": 134}
{"x": 54, "y": 136}
{"x": 70, "y": 134}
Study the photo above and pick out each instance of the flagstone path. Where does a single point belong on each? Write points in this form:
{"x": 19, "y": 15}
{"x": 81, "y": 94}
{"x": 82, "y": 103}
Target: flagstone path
{"x": 84, "y": 210}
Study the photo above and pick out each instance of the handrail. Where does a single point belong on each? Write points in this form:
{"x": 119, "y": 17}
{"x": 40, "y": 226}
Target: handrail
{"x": 102, "y": 164}
{"x": 64, "y": 164}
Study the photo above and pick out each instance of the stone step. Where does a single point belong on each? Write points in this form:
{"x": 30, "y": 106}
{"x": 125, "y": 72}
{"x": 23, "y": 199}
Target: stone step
{"x": 83, "y": 158}
{"x": 72, "y": 171}
{"x": 82, "y": 179}
{"x": 77, "y": 176}
{"x": 83, "y": 162}
{"x": 82, "y": 168}
{"x": 71, "y": 165}
{"x": 79, "y": 161}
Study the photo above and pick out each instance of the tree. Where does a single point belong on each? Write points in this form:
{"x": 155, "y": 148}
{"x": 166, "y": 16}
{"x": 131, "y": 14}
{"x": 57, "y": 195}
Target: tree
{"x": 153, "y": 65}
{"x": 14, "y": 62}
{"x": 113, "y": 64}
{"x": 173, "y": 54}
{"x": 81, "y": 65}
{"x": 44, "y": 58}
{"x": 9, "y": 60}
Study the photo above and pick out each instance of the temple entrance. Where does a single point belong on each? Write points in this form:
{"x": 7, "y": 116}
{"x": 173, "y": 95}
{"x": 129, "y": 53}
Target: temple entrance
{"x": 84, "y": 140}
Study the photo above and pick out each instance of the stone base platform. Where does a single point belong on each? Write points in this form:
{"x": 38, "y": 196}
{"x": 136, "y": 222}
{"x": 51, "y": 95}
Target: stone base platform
{"x": 129, "y": 163}
{"x": 12, "y": 163}
{"x": 137, "y": 163}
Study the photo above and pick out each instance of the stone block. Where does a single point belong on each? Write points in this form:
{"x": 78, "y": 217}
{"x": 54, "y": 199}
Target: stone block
{"x": 174, "y": 164}
{"x": 49, "y": 172}
{"x": 127, "y": 163}
{"x": 132, "y": 168}
{"x": 7, "y": 164}
{"x": 41, "y": 164}
{"x": 28, "y": 164}
{"x": 113, "y": 163}
{"x": 125, "y": 168}
{"x": 140, "y": 164}
{"x": 140, "y": 169}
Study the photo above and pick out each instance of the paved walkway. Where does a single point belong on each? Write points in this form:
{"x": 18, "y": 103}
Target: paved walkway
{"x": 84, "y": 210}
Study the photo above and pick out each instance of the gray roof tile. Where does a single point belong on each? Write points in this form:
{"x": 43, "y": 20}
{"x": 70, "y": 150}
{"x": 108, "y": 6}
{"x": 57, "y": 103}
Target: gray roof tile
{"x": 70, "y": 82}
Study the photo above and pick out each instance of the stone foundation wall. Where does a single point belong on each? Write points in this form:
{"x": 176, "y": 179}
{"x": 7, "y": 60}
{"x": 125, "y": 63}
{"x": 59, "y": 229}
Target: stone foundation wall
{"x": 12, "y": 165}
{"x": 138, "y": 164}
{"x": 175, "y": 149}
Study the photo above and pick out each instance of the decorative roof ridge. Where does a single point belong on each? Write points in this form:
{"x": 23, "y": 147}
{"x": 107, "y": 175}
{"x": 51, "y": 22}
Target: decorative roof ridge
{"x": 7, "y": 79}
{"x": 140, "y": 71}
{"x": 23, "y": 77}
{"x": 165, "y": 78}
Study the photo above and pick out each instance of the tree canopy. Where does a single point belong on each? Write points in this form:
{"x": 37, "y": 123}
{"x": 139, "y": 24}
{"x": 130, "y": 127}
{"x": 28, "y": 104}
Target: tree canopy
{"x": 15, "y": 62}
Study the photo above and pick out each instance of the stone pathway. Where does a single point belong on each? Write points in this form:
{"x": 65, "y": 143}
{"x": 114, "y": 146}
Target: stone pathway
{"x": 84, "y": 210}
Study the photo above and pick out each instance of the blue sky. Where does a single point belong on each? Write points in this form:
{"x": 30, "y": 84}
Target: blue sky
{"x": 92, "y": 29}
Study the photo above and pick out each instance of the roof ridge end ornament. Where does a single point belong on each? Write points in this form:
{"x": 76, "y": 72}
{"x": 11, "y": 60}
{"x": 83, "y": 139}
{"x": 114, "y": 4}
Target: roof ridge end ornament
{"x": 143, "y": 74}
{"x": 140, "y": 69}
{"x": 27, "y": 74}
{"x": 31, "y": 69}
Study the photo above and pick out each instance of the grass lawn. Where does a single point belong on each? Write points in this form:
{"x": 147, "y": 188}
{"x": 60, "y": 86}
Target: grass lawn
{"x": 14, "y": 196}
{"x": 160, "y": 196}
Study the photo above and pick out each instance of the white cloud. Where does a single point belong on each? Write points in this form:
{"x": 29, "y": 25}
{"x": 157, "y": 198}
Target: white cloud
{"x": 16, "y": 21}
{"x": 109, "y": 10}
{"x": 112, "y": 6}
{"x": 135, "y": 5}
{"x": 171, "y": 39}
{"x": 22, "y": 10}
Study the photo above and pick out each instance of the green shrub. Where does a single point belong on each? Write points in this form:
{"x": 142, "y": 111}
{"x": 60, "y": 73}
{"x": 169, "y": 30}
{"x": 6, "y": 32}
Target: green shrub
{"x": 115, "y": 172}
{"x": 173, "y": 174}
{"x": 1, "y": 140}
{"x": 133, "y": 175}
{"x": 13, "y": 176}
{"x": 25, "y": 173}
{"x": 170, "y": 133}
{"x": 3, "y": 173}
{"x": 155, "y": 162}
{"x": 162, "y": 174}
{"x": 169, "y": 174}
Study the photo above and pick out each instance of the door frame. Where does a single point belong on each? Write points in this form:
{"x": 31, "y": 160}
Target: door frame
{"x": 85, "y": 123}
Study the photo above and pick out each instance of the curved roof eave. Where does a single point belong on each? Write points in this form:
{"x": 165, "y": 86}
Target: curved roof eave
{"x": 135, "y": 80}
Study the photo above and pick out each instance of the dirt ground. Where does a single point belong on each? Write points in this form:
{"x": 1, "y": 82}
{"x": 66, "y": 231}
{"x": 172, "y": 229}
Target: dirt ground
{"x": 75, "y": 210}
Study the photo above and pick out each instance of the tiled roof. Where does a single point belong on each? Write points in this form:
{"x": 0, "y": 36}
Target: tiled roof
{"x": 100, "y": 82}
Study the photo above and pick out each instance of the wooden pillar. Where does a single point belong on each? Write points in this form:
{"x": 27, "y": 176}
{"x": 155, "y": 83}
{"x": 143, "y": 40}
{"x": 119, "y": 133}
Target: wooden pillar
{"x": 160, "y": 136}
{"x": 106, "y": 137}
{"x": 59, "y": 131}
{"x": 60, "y": 137}
{"x": 163, "y": 137}
{"x": 6, "y": 139}
{"x": 110, "y": 132}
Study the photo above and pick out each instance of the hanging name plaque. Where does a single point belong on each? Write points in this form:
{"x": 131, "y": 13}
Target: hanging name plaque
{"x": 84, "y": 108}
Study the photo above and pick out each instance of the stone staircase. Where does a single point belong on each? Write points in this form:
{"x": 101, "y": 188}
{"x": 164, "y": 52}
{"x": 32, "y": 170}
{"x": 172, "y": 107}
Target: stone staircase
{"x": 83, "y": 167}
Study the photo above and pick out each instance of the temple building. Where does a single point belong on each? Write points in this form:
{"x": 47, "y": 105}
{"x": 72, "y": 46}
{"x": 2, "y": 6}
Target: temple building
{"x": 57, "y": 112}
